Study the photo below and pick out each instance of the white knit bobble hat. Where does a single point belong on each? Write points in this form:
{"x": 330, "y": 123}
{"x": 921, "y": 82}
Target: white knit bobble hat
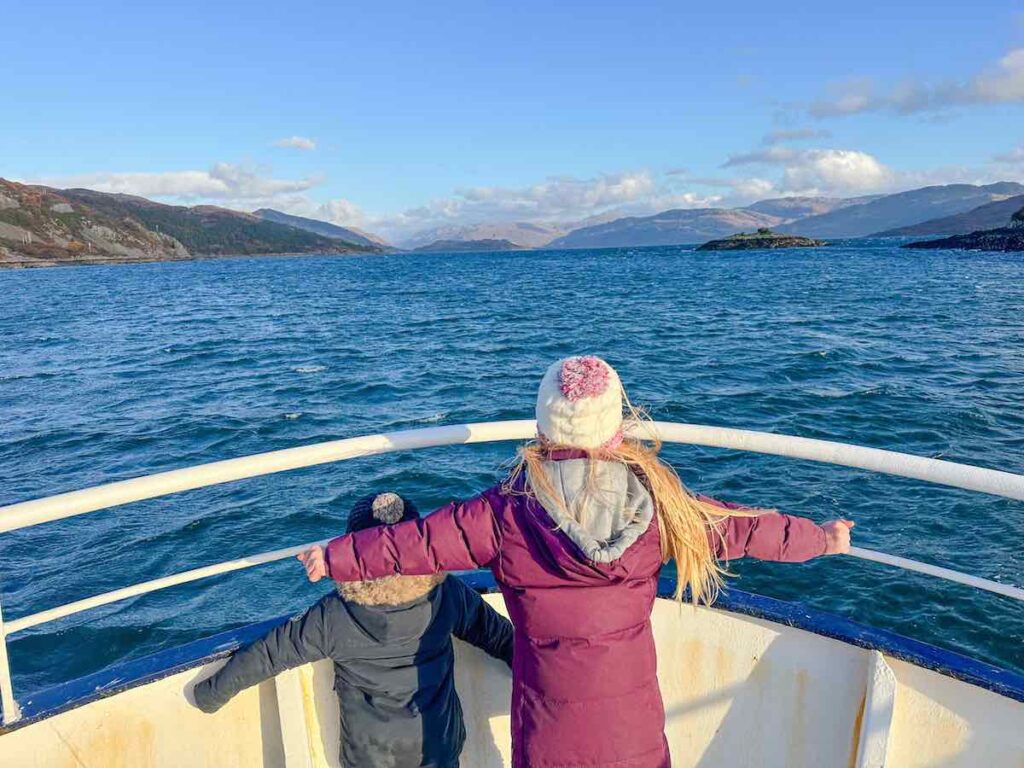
{"x": 579, "y": 404}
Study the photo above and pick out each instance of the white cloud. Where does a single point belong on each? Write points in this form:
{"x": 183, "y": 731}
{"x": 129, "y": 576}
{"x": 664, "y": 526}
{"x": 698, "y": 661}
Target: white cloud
{"x": 837, "y": 171}
{"x": 296, "y": 142}
{"x": 815, "y": 171}
{"x": 341, "y": 211}
{"x": 1014, "y": 157}
{"x": 668, "y": 200}
{"x": 556, "y": 199}
{"x": 796, "y": 134}
{"x": 749, "y": 189}
{"x": 1001, "y": 83}
{"x": 770, "y": 156}
{"x": 223, "y": 182}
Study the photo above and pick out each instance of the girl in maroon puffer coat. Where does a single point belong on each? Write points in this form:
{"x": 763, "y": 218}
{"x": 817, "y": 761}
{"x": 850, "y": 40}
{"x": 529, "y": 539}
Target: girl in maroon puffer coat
{"x": 576, "y": 537}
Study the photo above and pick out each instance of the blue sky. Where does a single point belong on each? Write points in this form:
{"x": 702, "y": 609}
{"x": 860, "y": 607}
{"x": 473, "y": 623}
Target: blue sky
{"x": 399, "y": 116}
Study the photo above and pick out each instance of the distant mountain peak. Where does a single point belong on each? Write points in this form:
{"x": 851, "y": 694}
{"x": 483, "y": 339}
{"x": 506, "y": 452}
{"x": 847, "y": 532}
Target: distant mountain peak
{"x": 322, "y": 228}
{"x": 525, "y": 234}
{"x": 799, "y": 207}
{"x": 468, "y": 246}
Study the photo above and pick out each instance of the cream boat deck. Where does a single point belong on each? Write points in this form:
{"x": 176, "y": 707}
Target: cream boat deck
{"x": 753, "y": 682}
{"x": 739, "y": 691}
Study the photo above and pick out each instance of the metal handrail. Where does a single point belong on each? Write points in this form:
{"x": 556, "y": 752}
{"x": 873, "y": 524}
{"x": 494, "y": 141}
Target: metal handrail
{"x": 61, "y": 506}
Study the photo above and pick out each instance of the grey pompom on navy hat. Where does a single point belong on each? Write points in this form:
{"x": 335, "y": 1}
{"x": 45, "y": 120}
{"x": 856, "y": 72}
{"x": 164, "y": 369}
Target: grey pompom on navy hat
{"x": 380, "y": 509}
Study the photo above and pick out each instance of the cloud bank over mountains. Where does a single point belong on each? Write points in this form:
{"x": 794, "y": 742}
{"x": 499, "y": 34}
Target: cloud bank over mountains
{"x": 773, "y": 169}
{"x": 789, "y": 160}
{"x": 222, "y": 183}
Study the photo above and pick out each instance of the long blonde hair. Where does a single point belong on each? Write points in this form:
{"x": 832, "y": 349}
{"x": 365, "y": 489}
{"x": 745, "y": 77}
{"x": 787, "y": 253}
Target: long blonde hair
{"x": 686, "y": 522}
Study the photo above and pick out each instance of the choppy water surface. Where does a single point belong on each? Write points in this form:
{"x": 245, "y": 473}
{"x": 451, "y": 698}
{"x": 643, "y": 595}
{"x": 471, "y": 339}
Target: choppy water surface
{"x": 107, "y": 373}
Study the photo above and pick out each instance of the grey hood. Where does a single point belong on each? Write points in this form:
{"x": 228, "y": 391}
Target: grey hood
{"x": 609, "y": 508}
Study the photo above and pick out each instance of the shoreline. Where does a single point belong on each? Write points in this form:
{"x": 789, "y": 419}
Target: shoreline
{"x": 29, "y": 264}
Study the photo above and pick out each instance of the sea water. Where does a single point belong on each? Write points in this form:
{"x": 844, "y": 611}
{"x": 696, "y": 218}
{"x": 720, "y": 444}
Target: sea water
{"x": 108, "y": 373}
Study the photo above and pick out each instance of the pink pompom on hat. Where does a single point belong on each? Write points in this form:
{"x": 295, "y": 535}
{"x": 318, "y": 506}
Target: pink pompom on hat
{"x": 579, "y": 404}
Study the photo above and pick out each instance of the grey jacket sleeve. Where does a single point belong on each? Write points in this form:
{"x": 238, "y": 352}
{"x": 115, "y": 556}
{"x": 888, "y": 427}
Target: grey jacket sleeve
{"x": 299, "y": 640}
{"x": 479, "y": 624}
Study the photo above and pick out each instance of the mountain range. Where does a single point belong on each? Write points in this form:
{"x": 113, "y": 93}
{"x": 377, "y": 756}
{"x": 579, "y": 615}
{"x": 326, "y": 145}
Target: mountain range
{"x": 42, "y": 226}
{"x": 808, "y": 216}
{"x": 673, "y": 227}
{"x": 820, "y": 217}
{"x": 902, "y": 209}
{"x": 468, "y": 246}
{"x": 523, "y": 234}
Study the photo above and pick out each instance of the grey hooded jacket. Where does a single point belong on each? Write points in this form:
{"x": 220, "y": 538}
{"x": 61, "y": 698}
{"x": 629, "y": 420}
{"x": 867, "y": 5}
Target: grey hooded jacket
{"x": 393, "y": 666}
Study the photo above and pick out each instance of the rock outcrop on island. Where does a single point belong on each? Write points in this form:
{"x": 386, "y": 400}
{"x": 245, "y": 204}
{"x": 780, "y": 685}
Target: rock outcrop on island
{"x": 468, "y": 246}
{"x": 41, "y": 227}
{"x": 763, "y": 238}
{"x": 1008, "y": 238}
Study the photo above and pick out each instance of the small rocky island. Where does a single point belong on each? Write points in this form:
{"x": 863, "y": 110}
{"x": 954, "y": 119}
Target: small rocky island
{"x": 1009, "y": 238}
{"x": 763, "y": 238}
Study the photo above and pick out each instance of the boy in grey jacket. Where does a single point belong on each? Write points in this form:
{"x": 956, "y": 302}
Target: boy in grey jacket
{"x": 390, "y": 641}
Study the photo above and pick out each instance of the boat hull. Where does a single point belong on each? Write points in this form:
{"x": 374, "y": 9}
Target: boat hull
{"x": 743, "y": 687}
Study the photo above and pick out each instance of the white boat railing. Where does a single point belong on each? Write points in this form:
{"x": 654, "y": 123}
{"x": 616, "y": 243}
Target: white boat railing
{"x": 61, "y": 506}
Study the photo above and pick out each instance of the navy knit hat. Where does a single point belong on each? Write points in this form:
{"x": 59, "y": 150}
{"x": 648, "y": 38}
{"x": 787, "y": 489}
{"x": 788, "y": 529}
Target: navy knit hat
{"x": 380, "y": 509}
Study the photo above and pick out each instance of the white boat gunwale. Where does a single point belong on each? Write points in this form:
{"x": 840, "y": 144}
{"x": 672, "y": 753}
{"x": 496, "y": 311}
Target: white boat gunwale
{"x": 124, "y": 676}
{"x": 61, "y": 506}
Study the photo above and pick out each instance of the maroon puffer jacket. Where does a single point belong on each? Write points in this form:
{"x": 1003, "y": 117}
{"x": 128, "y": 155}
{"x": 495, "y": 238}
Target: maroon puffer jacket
{"x": 585, "y": 685}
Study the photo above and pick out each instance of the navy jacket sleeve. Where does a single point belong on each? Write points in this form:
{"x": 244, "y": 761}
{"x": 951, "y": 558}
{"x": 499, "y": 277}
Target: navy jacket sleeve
{"x": 479, "y": 624}
{"x": 299, "y": 640}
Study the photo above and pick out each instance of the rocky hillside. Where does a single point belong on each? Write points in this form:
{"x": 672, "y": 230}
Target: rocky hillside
{"x": 206, "y": 230}
{"x": 40, "y": 226}
{"x": 676, "y": 227}
{"x": 326, "y": 229}
{"x": 792, "y": 208}
{"x": 1006, "y": 238}
{"x": 43, "y": 227}
{"x": 902, "y": 209}
{"x": 988, "y": 216}
{"x": 468, "y": 246}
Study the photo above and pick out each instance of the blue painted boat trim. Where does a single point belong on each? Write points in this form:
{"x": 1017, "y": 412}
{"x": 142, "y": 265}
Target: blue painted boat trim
{"x": 148, "y": 669}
